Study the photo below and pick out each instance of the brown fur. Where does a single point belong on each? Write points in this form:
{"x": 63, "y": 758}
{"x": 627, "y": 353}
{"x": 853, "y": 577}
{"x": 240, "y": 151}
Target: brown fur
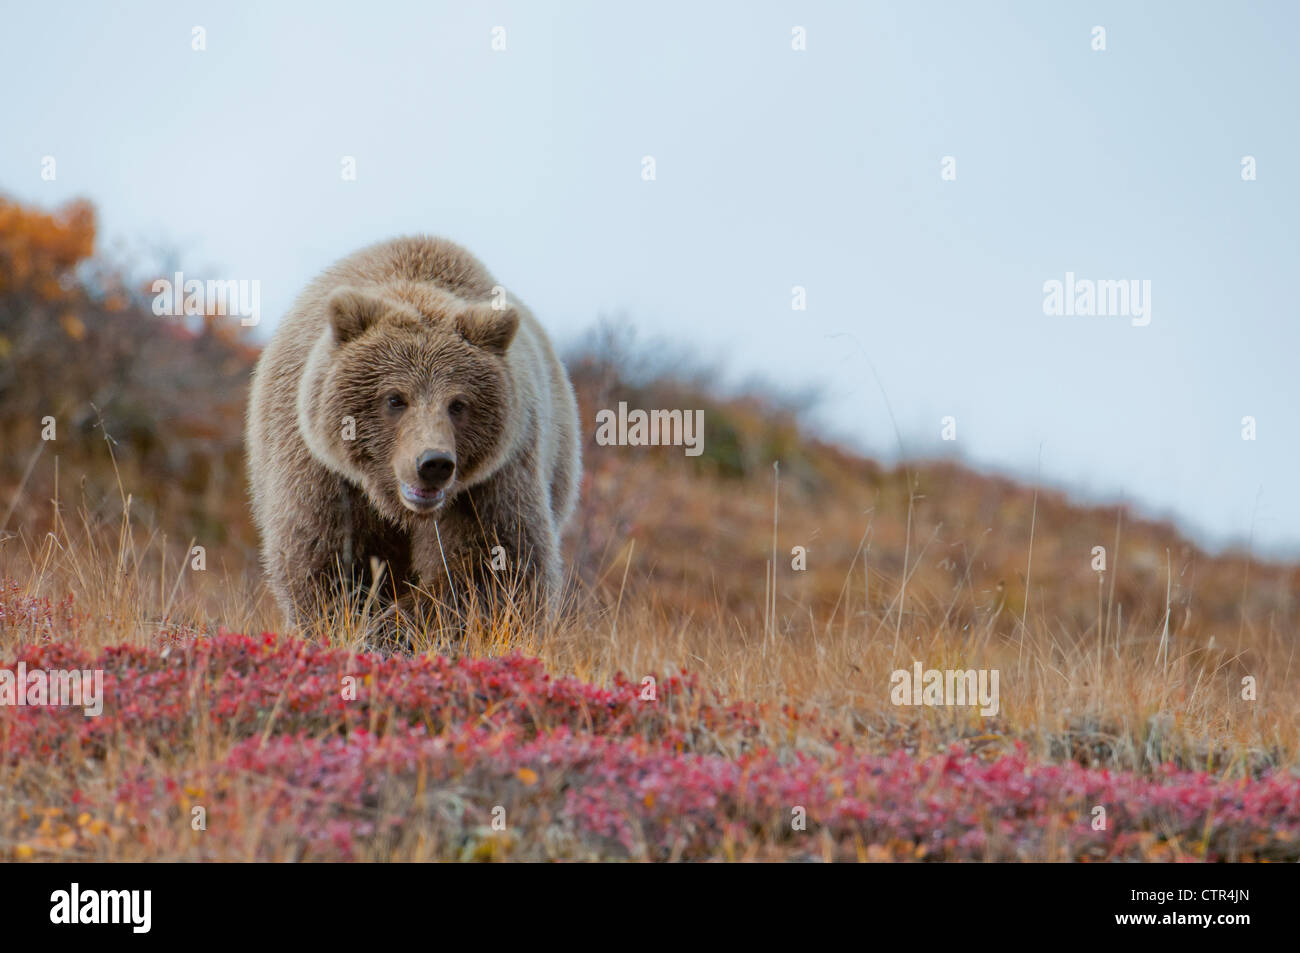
{"x": 403, "y": 339}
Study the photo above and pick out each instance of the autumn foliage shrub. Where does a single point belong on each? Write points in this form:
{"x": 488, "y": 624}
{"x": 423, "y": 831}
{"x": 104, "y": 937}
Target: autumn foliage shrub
{"x": 413, "y": 757}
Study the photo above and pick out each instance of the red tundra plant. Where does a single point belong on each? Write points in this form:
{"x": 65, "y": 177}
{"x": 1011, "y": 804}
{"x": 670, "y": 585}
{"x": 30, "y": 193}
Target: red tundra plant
{"x": 36, "y": 617}
{"x": 561, "y": 795}
{"x": 241, "y": 748}
{"x": 233, "y": 686}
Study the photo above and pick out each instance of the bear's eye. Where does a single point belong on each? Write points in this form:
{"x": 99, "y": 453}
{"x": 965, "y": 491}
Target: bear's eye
{"x": 395, "y": 401}
{"x": 457, "y": 407}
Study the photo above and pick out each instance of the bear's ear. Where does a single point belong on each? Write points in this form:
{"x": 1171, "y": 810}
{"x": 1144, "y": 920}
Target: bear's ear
{"x": 352, "y": 312}
{"x": 489, "y": 329}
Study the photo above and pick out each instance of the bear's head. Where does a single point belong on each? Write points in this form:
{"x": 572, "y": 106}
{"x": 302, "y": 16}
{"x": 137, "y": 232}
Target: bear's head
{"x": 409, "y": 398}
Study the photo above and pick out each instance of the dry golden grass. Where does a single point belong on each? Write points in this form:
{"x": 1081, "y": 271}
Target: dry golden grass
{"x": 1123, "y": 694}
{"x": 1123, "y": 685}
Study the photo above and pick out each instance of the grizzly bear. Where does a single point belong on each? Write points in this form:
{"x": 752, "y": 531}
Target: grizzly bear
{"x": 409, "y": 417}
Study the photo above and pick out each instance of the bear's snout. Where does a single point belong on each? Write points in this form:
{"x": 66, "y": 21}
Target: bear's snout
{"x": 435, "y": 468}
{"x": 433, "y": 472}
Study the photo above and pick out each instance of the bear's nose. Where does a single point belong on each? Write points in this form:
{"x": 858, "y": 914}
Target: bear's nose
{"x": 435, "y": 468}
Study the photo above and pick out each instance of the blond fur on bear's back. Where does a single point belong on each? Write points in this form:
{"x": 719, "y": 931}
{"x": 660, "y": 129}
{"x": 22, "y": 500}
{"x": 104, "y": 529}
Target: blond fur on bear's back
{"x": 296, "y": 485}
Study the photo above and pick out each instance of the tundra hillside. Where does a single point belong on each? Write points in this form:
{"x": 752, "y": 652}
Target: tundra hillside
{"x": 691, "y": 703}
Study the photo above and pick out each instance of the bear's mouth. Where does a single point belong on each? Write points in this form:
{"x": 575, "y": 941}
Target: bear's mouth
{"x": 422, "y": 501}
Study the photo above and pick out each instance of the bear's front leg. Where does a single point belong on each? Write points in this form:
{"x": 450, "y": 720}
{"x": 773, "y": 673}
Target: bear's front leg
{"x": 351, "y": 559}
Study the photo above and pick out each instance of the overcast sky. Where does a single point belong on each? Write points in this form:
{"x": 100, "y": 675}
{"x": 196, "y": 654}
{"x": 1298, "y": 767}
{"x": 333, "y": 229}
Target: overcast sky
{"x": 774, "y": 168}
